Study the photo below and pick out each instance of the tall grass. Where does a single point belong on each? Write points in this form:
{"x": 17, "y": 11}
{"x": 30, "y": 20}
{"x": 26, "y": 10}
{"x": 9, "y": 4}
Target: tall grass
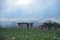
{"x": 30, "y": 34}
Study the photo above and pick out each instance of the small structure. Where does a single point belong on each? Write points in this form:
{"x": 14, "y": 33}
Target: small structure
{"x": 47, "y": 26}
{"x": 43, "y": 27}
{"x": 25, "y": 25}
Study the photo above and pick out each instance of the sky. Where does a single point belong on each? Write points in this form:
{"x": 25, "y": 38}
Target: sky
{"x": 29, "y": 10}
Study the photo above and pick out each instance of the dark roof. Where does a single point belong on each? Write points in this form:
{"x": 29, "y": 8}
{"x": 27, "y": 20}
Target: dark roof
{"x": 24, "y": 23}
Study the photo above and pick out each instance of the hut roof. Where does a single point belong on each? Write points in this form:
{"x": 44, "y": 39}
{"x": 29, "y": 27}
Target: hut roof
{"x": 24, "y": 23}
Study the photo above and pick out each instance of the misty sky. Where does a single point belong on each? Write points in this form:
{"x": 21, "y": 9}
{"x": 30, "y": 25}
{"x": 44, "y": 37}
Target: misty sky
{"x": 29, "y": 10}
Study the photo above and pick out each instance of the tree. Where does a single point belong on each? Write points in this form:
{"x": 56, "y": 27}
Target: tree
{"x": 57, "y": 25}
{"x": 52, "y": 24}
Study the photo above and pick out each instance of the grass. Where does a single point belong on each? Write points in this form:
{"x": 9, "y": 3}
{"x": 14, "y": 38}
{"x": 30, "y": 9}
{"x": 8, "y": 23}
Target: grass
{"x": 29, "y": 34}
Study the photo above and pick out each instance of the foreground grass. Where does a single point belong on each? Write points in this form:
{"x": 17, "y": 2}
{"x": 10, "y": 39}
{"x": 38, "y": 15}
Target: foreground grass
{"x": 30, "y": 34}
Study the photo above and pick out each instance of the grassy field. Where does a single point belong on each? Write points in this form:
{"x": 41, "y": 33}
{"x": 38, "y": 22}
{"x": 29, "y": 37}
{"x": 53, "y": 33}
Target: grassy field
{"x": 29, "y": 34}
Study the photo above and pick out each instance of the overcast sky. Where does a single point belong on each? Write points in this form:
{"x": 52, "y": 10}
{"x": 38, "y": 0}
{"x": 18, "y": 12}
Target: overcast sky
{"x": 29, "y": 10}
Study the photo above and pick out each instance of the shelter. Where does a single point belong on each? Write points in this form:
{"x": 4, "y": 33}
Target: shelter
{"x": 25, "y": 25}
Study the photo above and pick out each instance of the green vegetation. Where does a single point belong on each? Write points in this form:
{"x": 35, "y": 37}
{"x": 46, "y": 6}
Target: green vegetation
{"x": 51, "y": 24}
{"x": 29, "y": 34}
